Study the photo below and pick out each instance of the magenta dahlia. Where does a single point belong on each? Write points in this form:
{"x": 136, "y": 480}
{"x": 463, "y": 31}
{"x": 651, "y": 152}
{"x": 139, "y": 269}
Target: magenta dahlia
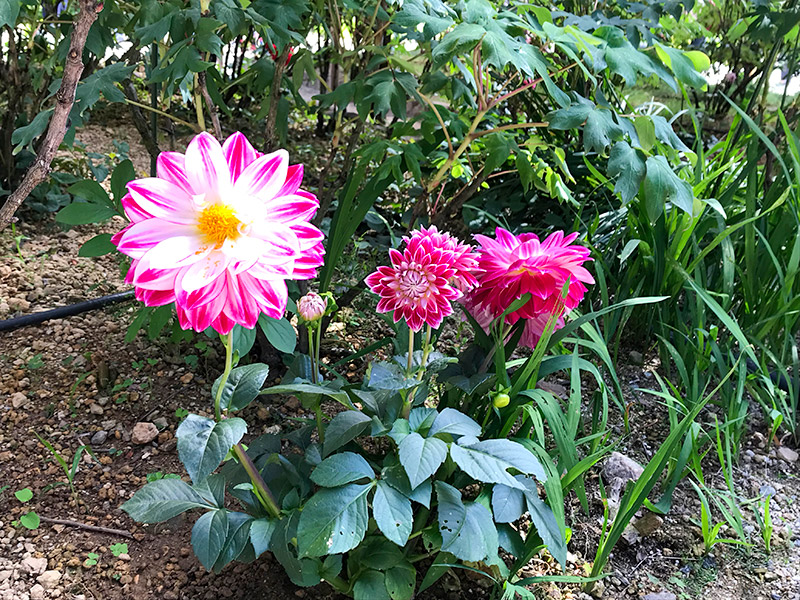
{"x": 417, "y": 287}
{"x": 461, "y": 257}
{"x": 218, "y": 232}
{"x": 511, "y": 266}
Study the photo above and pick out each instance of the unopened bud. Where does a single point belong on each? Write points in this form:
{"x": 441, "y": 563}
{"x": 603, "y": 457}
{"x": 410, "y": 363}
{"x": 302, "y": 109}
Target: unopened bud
{"x": 501, "y": 400}
{"x": 311, "y": 307}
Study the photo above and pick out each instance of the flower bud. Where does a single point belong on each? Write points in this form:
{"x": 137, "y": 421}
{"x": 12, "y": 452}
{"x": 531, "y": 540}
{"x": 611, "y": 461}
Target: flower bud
{"x": 311, "y": 307}
{"x": 501, "y": 400}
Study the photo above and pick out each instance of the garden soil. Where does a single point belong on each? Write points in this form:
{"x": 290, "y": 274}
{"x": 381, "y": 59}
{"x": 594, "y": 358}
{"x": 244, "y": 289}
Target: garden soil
{"x": 77, "y": 383}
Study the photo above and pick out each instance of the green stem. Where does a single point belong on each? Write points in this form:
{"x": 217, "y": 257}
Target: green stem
{"x": 426, "y": 351}
{"x": 312, "y": 355}
{"x": 410, "y": 363}
{"x": 260, "y": 488}
{"x": 228, "y": 343}
{"x": 317, "y": 347}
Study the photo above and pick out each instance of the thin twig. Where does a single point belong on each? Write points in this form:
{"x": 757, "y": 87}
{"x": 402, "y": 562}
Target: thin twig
{"x": 192, "y": 126}
{"x": 59, "y": 123}
{"x": 97, "y": 528}
{"x": 441, "y": 122}
{"x": 212, "y": 108}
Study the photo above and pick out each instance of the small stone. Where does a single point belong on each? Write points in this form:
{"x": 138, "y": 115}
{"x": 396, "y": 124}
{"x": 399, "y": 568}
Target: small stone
{"x": 619, "y": 470}
{"x": 187, "y": 378}
{"x": 37, "y": 592}
{"x": 770, "y": 576}
{"x": 660, "y": 596}
{"x": 597, "y": 590}
{"x": 143, "y": 433}
{"x": 5, "y": 575}
{"x": 49, "y": 579}
{"x": 161, "y": 423}
{"x": 99, "y": 438}
{"x": 19, "y": 304}
{"x": 18, "y": 399}
{"x": 648, "y": 524}
{"x": 787, "y": 454}
{"x": 636, "y": 357}
{"x": 96, "y": 409}
{"x": 34, "y": 566}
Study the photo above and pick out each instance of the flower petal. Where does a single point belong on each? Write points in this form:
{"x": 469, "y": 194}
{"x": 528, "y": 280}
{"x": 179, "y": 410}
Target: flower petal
{"x": 162, "y": 199}
{"x": 140, "y": 237}
{"x": 177, "y": 251}
{"x": 264, "y": 177}
{"x": 206, "y": 167}
{"x": 172, "y": 167}
{"x": 203, "y": 272}
{"x": 239, "y": 153}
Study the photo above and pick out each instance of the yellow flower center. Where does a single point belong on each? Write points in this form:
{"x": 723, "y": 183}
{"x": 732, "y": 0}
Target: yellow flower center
{"x": 218, "y": 223}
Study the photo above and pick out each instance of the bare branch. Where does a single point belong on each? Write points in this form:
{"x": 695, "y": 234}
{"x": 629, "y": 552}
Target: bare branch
{"x": 65, "y": 98}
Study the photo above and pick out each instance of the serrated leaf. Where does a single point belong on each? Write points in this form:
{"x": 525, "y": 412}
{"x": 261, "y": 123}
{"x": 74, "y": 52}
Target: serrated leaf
{"x": 488, "y": 461}
{"x": 162, "y": 500}
{"x": 392, "y": 513}
{"x": 627, "y": 166}
{"x": 208, "y": 536}
{"x": 237, "y": 540}
{"x": 203, "y": 443}
{"x": 242, "y": 387}
{"x": 662, "y": 185}
{"x": 340, "y": 469}
{"x": 333, "y": 521}
{"x": 421, "y": 457}
{"x": 344, "y": 427}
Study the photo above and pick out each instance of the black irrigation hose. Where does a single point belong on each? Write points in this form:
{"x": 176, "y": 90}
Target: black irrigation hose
{"x": 64, "y": 311}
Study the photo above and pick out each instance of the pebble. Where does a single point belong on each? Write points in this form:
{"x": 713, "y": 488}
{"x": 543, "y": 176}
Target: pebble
{"x": 49, "y": 579}
{"x": 37, "y": 592}
{"x": 787, "y": 454}
{"x": 34, "y": 566}
{"x": 99, "y": 438}
{"x": 18, "y": 399}
{"x": 143, "y": 433}
{"x": 96, "y": 409}
{"x": 660, "y": 596}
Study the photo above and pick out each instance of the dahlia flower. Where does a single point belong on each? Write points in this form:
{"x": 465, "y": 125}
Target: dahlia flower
{"x": 218, "y": 232}
{"x": 511, "y": 266}
{"x": 461, "y": 257}
{"x": 417, "y": 286}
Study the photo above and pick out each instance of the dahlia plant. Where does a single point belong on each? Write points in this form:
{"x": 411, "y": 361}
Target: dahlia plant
{"x": 388, "y": 485}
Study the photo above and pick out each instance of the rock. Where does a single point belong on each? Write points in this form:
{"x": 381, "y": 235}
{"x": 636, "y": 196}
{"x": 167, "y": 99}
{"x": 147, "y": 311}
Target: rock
{"x": 96, "y": 409}
{"x": 648, "y": 524}
{"x": 636, "y": 357}
{"x": 37, "y": 592}
{"x": 597, "y": 590}
{"x": 19, "y": 304}
{"x": 660, "y": 596}
{"x": 99, "y": 438}
{"x": 787, "y": 454}
{"x": 49, "y": 579}
{"x": 770, "y": 576}
{"x": 5, "y": 575}
{"x": 143, "y": 433}
{"x": 554, "y": 388}
{"x": 18, "y": 399}
{"x": 619, "y": 470}
{"x": 767, "y": 490}
{"x": 187, "y": 378}
{"x": 630, "y": 535}
{"x": 161, "y": 423}
{"x": 34, "y": 566}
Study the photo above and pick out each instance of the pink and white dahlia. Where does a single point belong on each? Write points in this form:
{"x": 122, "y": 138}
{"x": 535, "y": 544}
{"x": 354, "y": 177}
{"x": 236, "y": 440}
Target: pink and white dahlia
{"x": 511, "y": 266}
{"x": 417, "y": 286}
{"x": 218, "y": 232}
{"x": 461, "y": 257}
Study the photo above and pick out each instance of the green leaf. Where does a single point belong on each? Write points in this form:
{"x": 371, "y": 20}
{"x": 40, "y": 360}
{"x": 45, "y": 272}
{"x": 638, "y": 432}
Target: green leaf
{"x": 23, "y": 136}
{"x": 434, "y": 16}
{"x": 570, "y": 117}
{"x": 91, "y": 191}
{"x": 279, "y": 332}
{"x": 645, "y": 131}
{"x": 662, "y": 185}
{"x": 455, "y": 423}
{"x": 344, "y": 427}
{"x": 203, "y": 443}
{"x": 24, "y": 495}
{"x": 627, "y": 166}
{"x": 103, "y": 81}
{"x": 467, "y": 529}
{"x": 460, "y": 39}
{"x": 242, "y": 387}
{"x": 99, "y": 245}
{"x": 340, "y": 469}
{"x": 30, "y": 520}
{"x": 161, "y": 500}
{"x": 333, "y": 521}
{"x": 261, "y": 531}
{"x": 498, "y": 149}
{"x": 401, "y": 581}
{"x": 9, "y": 11}
{"x": 421, "y": 457}
{"x": 389, "y": 376}
{"x": 311, "y": 389}
{"x": 370, "y": 585}
{"x": 508, "y": 503}
{"x": 439, "y": 566}
{"x": 208, "y": 536}
{"x": 83, "y": 213}
{"x": 600, "y": 129}
{"x": 237, "y": 540}
{"x": 544, "y": 520}
{"x": 682, "y": 65}
{"x": 489, "y": 461}
{"x": 392, "y": 512}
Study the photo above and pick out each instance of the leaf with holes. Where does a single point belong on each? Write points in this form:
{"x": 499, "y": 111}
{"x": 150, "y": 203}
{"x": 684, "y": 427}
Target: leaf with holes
{"x": 333, "y": 521}
{"x": 392, "y": 512}
{"x": 467, "y": 529}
